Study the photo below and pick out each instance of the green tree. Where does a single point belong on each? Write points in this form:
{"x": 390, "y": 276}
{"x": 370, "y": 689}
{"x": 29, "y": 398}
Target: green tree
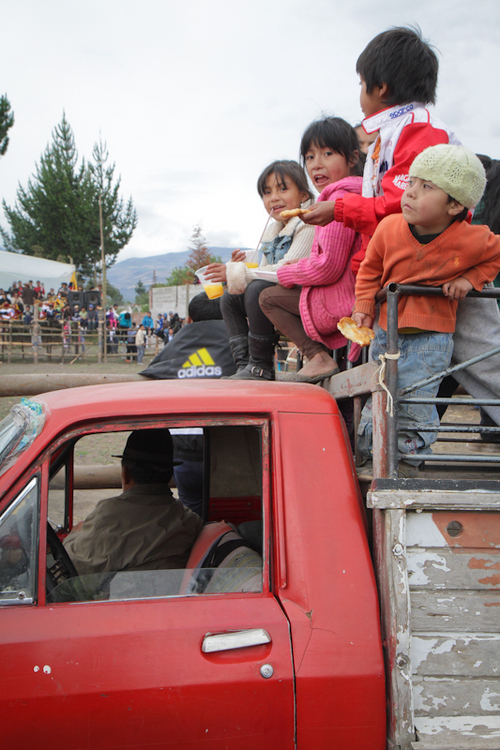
{"x": 6, "y": 122}
{"x": 113, "y": 295}
{"x": 199, "y": 256}
{"x": 119, "y": 219}
{"x": 58, "y": 212}
{"x": 180, "y": 276}
{"x": 141, "y": 294}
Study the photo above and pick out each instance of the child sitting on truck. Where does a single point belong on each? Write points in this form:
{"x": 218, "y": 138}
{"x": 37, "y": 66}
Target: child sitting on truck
{"x": 398, "y": 75}
{"x": 431, "y": 244}
{"x": 252, "y": 338}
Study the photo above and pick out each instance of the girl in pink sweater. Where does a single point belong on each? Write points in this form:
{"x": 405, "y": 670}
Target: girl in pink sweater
{"x": 315, "y": 292}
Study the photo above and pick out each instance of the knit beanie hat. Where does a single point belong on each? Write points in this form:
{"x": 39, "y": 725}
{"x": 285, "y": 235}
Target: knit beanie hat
{"x": 454, "y": 169}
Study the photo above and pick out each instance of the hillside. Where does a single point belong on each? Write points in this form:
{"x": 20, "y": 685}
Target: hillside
{"x": 125, "y": 274}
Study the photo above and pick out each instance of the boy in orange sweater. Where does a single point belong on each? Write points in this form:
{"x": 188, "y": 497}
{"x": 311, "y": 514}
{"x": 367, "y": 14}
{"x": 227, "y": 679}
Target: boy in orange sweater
{"x": 429, "y": 243}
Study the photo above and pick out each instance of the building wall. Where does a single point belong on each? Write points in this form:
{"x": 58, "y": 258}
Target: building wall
{"x": 175, "y": 299}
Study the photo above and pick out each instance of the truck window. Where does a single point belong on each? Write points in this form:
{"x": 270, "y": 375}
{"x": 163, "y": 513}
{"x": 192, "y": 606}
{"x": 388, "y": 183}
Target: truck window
{"x": 18, "y": 547}
{"x": 227, "y": 556}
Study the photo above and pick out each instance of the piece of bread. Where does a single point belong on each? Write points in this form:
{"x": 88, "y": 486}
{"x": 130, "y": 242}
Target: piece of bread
{"x": 360, "y": 335}
{"x": 289, "y": 212}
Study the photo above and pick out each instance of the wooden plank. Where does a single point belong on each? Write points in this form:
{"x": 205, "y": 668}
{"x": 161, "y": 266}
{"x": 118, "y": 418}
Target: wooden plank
{"x": 32, "y": 385}
{"x": 456, "y": 654}
{"x": 445, "y": 568}
{"x": 445, "y": 696}
{"x": 90, "y": 477}
{"x": 353, "y": 382}
{"x": 455, "y": 611}
{"x": 454, "y": 730}
{"x": 408, "y": 498}
{"x": 465, "y": 743}
{"x": 394, "y": 595}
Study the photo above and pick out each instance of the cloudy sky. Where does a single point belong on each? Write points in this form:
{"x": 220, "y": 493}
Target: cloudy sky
{"x": 195, "y": 98}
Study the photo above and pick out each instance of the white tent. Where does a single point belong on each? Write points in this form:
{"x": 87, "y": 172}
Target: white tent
{"x": 16, "y": 267}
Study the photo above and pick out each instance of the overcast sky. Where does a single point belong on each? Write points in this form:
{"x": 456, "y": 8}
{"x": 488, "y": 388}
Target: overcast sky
{"x": 195, "y": 98}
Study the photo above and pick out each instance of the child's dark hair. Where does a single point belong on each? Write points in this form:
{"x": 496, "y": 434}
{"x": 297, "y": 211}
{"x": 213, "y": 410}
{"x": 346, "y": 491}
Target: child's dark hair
{"x": 463, "y": 213}
{"x": 334, "y": 133}
{"x": 408, "y": 65}
{"x": 203, "y": 308}
{"x": 488, "y": 210}
{"x": 282, "y": 169}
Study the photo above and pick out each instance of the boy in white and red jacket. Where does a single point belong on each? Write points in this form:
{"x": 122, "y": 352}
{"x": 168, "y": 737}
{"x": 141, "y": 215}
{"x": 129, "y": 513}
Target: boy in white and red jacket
{"x": 398, "y": 75}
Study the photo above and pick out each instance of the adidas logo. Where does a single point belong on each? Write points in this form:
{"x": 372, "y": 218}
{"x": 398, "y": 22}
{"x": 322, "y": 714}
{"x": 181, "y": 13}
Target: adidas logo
{"x": 199, "y": 365}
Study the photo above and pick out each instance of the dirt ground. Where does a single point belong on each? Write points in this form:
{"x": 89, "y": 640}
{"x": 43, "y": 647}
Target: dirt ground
{"x": 116, "y": 366}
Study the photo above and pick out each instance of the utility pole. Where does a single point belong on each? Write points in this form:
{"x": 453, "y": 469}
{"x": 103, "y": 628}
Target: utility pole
{"x": 103, "y": 266}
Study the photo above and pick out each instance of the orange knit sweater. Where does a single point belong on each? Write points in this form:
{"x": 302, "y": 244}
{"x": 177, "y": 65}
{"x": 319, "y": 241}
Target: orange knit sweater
{"x": 395, "y": 255}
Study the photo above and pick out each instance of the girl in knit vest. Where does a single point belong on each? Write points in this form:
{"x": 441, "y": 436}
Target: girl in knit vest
{"x": 315, "y": 292}
{"x": 252, "y": 338}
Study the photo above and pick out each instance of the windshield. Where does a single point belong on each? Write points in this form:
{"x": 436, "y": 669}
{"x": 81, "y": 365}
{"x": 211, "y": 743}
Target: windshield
{"x": 18, "y": 430}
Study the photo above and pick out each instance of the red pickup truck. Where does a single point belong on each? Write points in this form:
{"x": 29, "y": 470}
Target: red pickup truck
{"x": 278, "y": 648}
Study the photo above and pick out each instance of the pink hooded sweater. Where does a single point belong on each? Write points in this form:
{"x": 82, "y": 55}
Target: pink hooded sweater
{"x": 326, "y": 277}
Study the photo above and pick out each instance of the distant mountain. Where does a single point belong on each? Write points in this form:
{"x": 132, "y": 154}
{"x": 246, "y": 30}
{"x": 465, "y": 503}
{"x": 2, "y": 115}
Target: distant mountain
{"x": 125, "y": 274}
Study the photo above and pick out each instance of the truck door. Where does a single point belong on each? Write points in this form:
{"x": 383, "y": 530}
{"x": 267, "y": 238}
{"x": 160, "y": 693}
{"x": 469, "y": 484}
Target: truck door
{"x": 136, "y": 660}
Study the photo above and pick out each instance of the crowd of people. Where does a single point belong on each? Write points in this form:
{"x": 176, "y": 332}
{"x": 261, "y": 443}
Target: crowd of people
{"x": 58, "y": 309}
{"x": 17, "y": 303}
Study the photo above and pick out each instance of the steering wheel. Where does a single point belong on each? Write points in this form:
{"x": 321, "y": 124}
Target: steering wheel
{"x": 62, "y": 568}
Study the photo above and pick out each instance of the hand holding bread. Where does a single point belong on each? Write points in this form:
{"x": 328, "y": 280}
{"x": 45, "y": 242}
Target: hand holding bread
{"x": 359, "y": 334}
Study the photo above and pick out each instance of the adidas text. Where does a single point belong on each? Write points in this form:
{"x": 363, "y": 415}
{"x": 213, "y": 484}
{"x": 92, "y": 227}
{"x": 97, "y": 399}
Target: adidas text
{"x": 203, "y": 371}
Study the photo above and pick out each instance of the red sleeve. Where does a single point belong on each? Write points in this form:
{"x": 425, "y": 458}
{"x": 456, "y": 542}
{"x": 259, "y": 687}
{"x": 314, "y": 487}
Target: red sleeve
{"x": 364, "y": 214}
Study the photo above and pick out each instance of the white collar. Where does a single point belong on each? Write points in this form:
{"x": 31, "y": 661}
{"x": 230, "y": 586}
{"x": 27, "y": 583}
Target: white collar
{"x": 376, "y": 121}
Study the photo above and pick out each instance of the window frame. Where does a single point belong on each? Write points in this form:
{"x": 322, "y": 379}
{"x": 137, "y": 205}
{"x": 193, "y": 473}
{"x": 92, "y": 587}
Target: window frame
{"x": 34, "y": 482}
{"x": 261, "y": 423}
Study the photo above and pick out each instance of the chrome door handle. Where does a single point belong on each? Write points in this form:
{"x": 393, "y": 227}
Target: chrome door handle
{"x": 236, "y": 639}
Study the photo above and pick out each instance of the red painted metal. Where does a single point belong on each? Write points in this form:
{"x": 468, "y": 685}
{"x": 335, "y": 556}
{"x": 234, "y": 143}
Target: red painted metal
{"x": 132, "y": 674}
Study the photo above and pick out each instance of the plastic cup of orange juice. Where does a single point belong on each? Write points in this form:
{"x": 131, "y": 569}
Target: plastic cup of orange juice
{"x": 252, "y": 258}
{"x": 213, "y": 289}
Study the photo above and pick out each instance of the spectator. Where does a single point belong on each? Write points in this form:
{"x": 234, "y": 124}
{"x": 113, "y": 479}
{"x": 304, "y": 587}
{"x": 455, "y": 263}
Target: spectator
{"x": 63, "y": 290}
{"x": 144, "y": 528}
{"x": 148, "y": 323}
{"x": 140, "y": 342}
{"x": 29, "y": 294}
{"x": 92, "y": 318}
{"x": 131, "y": 346}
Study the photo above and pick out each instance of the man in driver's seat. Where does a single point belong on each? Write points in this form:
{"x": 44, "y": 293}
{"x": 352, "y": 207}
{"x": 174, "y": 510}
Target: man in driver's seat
{"x": 144, "y": 528}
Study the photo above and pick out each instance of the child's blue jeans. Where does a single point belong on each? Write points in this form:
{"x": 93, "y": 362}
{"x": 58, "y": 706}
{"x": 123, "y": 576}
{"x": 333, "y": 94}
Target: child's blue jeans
{"x": 421, "y": 355}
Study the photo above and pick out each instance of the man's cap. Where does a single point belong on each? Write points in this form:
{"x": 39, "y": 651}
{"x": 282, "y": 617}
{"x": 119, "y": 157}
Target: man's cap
{"x": 454, "y": 169}
{"x": 151, "y": 446}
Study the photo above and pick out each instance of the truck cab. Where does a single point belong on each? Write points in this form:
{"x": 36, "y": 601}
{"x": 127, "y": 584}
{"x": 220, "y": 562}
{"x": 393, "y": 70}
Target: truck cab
{"x": 280, "y": 646}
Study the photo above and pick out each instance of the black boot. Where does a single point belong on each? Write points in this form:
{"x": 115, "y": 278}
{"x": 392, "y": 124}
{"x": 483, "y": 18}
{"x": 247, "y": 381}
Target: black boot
{"x": 261, "y": 364}
{"x": 239, "y": 350}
